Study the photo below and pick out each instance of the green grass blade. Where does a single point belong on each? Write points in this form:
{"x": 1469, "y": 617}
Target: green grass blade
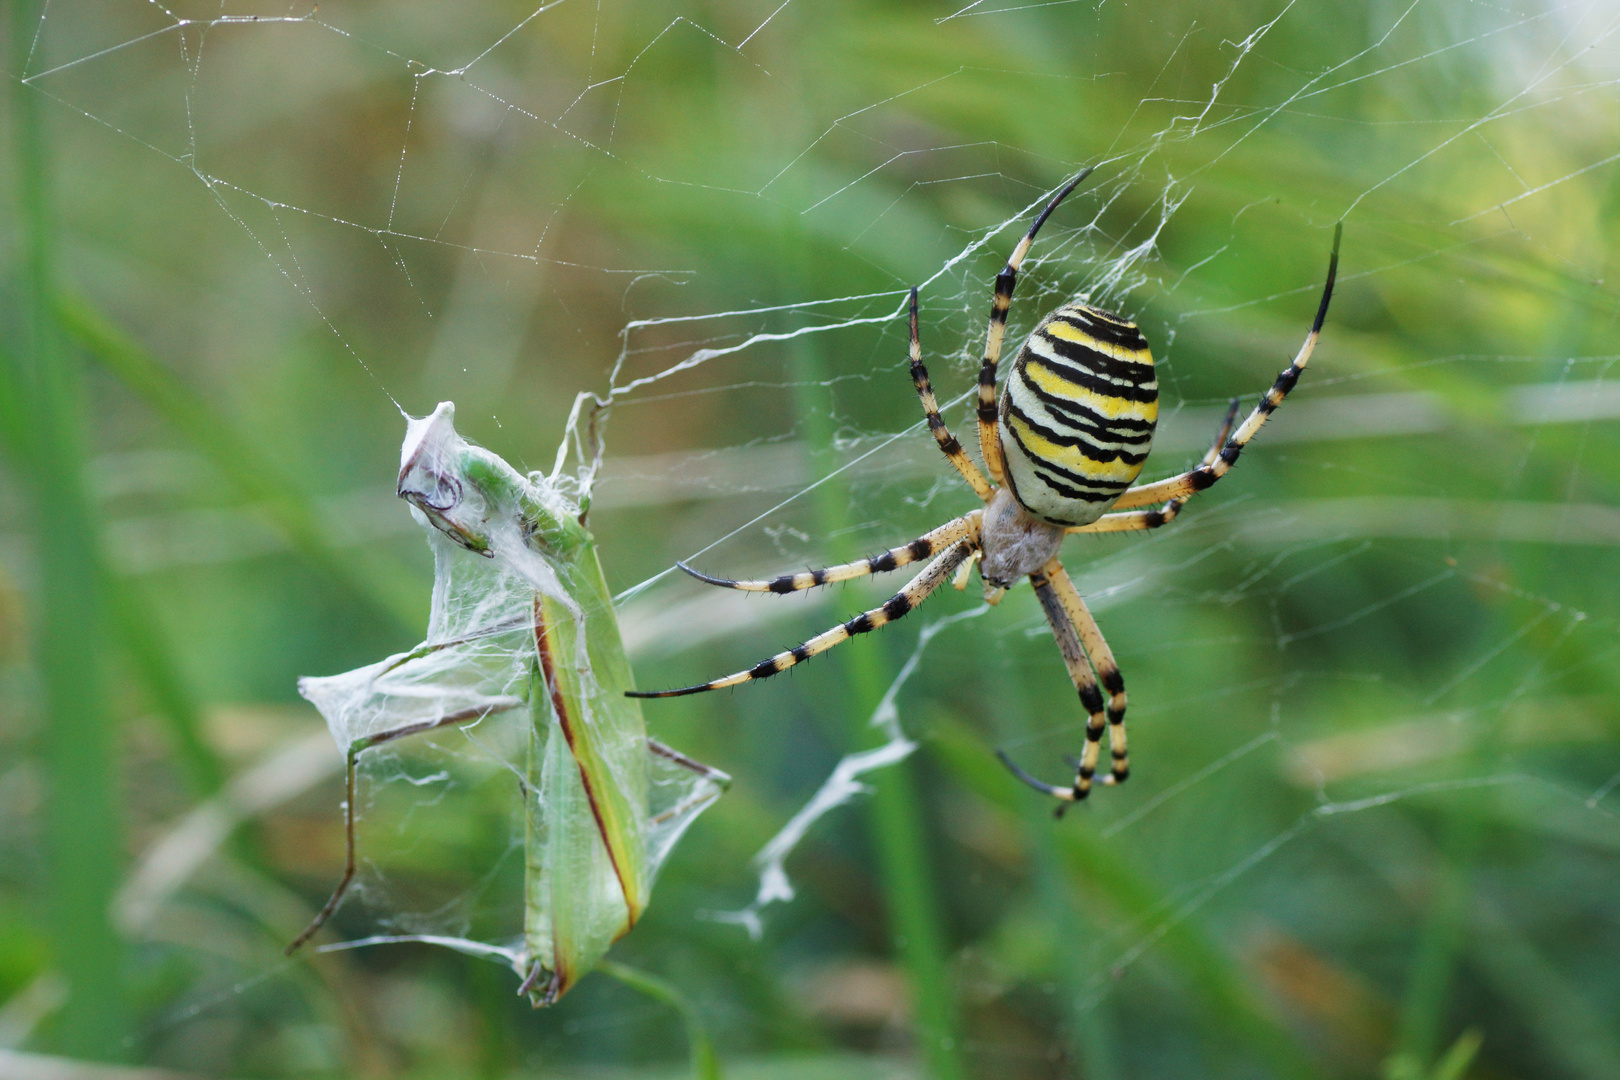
{"x": 12, "y": 439}
{"x": 255, "y": 474}
{"x": 910, "y": 894}
{"x": 81, "y": 738}
{"x": 705, "y": 1062}
{"x": 165, "y": 687}
{"x": 1572, "y": 1029}
{"x": 1440, "y": 944}
{"x": 1454, "y": 1064}
{"x": 154, "y": 666}
{"x": 1222, "y": 987}
{"x": 908, "y": 886}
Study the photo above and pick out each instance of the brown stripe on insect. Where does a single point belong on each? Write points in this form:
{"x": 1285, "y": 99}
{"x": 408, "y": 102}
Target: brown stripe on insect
{"x": 569, "y": 725}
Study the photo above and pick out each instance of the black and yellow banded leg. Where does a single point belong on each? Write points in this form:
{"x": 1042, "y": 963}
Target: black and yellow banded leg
{"x": 948, "y": 443}
{"x": 1085, "y": 684}
{"x": 1190, "y": 483}
{"x": 1006, "y": 281}
{"x": 1174, "y": 506}
{"x": 965, "y": 527}
{"x": 932, "y": 576}
{"x": 1134, "y": 520}
{"x": 1102, "y": 662}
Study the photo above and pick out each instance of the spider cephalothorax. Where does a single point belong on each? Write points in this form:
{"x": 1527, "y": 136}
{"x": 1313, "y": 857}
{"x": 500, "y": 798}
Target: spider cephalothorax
{"x": 1062, "y": 447}
{"x": 1013, "y": 543}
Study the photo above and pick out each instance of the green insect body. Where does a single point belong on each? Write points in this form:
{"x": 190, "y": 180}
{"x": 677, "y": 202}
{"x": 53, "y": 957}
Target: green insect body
{"x": 522, "y": 617}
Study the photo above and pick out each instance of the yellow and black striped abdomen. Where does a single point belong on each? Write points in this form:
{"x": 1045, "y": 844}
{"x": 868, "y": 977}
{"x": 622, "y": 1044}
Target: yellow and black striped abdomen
{"x": 1077, "y": 414}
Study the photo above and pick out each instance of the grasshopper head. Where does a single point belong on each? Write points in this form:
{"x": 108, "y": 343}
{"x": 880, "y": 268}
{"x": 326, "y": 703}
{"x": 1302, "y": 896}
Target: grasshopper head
{"x": 428, "y": 481}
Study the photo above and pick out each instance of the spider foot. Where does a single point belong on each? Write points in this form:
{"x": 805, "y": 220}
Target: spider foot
{"x": 1066, "y": 794}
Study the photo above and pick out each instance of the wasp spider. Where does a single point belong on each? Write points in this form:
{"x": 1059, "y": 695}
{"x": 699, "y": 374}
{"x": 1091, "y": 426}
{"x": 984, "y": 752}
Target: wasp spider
{"x": 1065, "y": 444}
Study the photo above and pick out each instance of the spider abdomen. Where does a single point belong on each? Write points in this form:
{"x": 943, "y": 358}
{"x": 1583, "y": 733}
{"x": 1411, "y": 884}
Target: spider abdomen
{"x": 1077, "y": 414}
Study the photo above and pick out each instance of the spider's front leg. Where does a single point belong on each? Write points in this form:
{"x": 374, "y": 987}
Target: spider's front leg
{"x": 948, "y": 443}
{"x": 1136, "y": 520}
{"x": 920, "y": 588}
{"x": 965, "y": 527}
{"x": 1000, "y": 303}
{"x": 1180, "y": 488}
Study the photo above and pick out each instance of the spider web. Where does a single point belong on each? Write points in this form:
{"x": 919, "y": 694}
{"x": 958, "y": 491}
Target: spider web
{"x": 1390, "y": 604}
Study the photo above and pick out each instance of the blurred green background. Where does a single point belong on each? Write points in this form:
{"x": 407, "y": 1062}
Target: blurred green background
{"x": 1370, "y": 829}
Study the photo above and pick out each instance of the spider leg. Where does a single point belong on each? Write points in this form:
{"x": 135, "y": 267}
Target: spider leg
{"x": 989, "y": 434}
{"x": 932, "y": 576}
{"x": 947, "y": 442}
{"x": 1085, "y": 683}
{"x": 963, "y": 528}
{"x": 965, "y": 571}
{"x": 1190, "y": 483}
{"x": 1102, "y": 660}
{"x": 1152, "y": 519}
{"x": 1133, "y": 520}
